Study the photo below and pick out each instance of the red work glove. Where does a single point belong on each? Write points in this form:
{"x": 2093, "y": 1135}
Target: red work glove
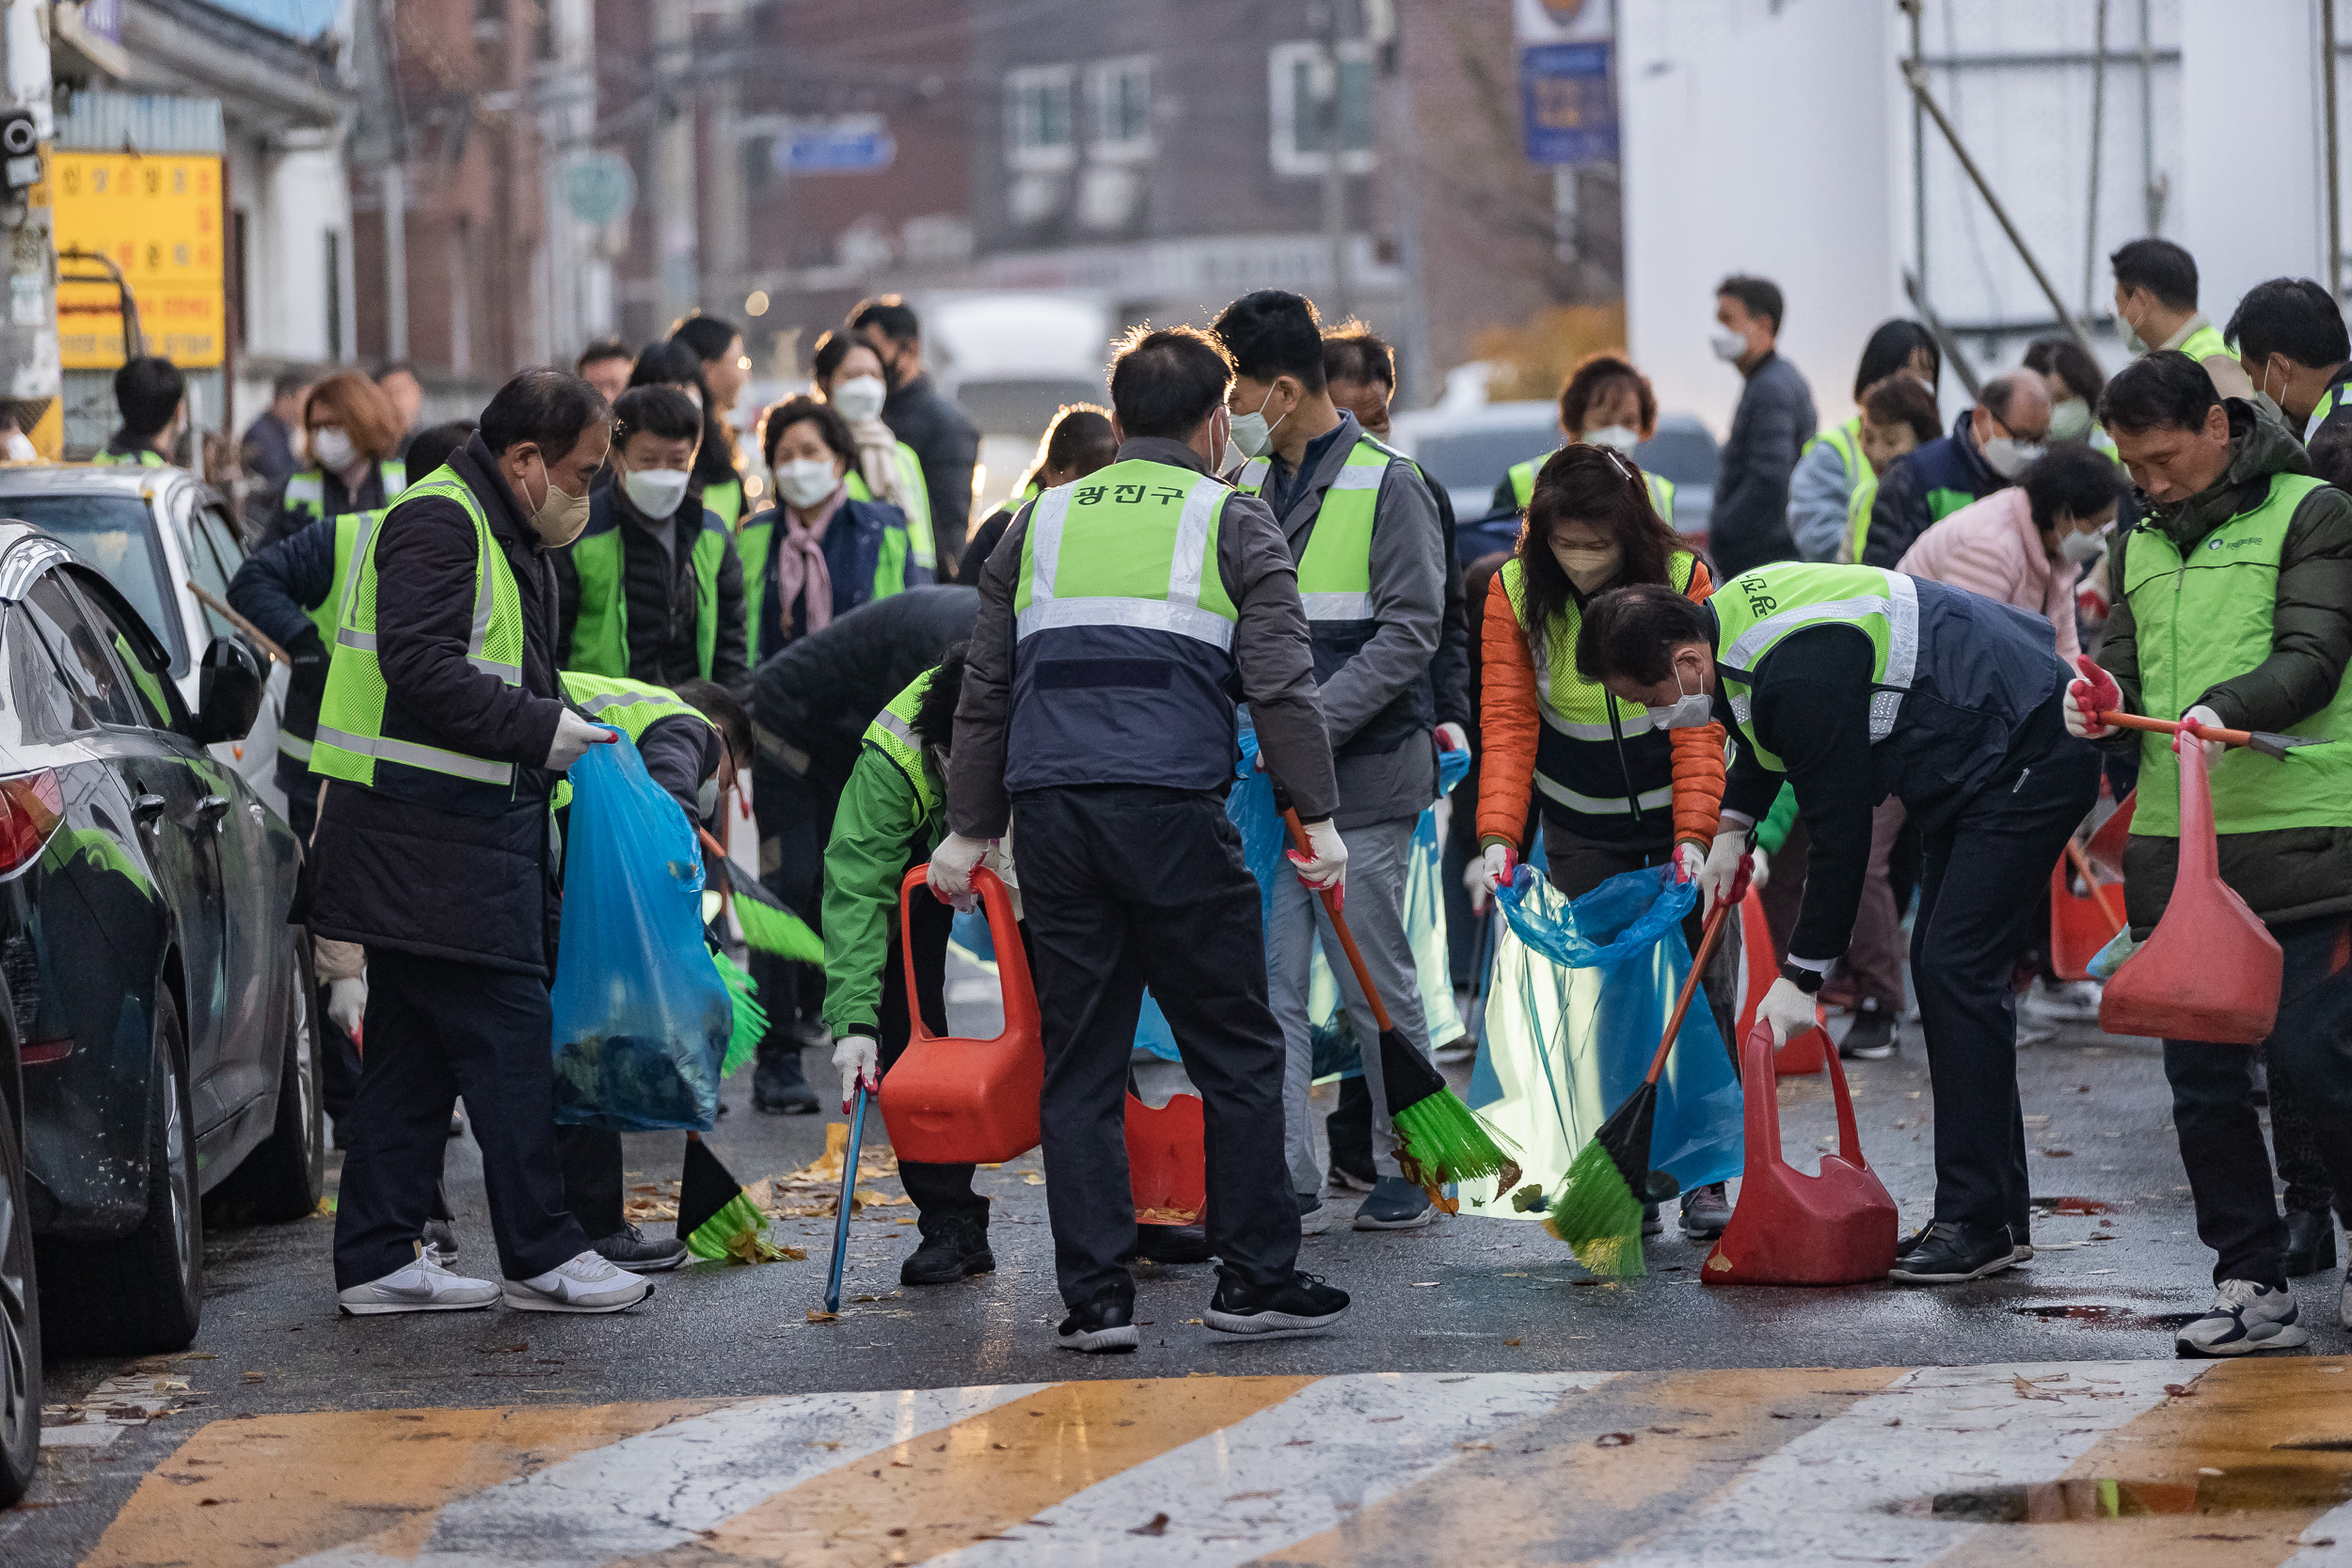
{"x": 2086, "y": 699}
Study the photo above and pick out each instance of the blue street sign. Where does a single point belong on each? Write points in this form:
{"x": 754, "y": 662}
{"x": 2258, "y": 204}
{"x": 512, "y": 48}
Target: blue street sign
{"x": 854, "y": 144}
{"x": 1568, "y": 99}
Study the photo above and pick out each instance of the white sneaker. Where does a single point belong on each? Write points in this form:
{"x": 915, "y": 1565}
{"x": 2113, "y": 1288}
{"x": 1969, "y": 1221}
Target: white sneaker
{"x": 2245, "y": 1317}
{"x": 2067, "y": 1001}
{"x": 422, "y": 1286}
{"x": 1314, "y": 1216}
{"x": 586, "y": 1284}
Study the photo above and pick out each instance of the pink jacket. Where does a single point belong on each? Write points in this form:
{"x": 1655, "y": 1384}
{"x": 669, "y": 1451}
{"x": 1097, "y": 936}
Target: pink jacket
{"x": 1991, "y": 548}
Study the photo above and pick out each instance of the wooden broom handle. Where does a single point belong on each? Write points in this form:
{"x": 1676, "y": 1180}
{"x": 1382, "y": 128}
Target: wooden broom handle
{"x": 2172, "y": 726}
{"x": 1339, "y": 924}
{"x": 1689, "y": 986}
{"x": 726, "y": 882}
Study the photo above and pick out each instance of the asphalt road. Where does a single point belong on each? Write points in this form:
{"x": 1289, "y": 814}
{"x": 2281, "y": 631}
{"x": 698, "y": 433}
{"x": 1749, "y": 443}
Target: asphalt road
{"x": 1466, "y": 1295}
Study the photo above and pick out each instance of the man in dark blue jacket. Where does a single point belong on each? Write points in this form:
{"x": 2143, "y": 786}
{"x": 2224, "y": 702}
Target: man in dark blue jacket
{"x": 1768, "y": 431}
{"x": 1988, "y": 447}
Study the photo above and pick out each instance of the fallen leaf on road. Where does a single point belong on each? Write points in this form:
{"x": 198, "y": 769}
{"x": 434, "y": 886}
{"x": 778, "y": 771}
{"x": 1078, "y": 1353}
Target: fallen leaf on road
{"x": 816, "y": 1316}
{"x": 2026, "y": 1391}
{"x": 2057, "y": 1153}
{"x": 1510, "y": 1341}
{"x": 1613, "y": 1440}
{"x": 2181, "y": 1390}
{"x": 1033, "y": 1179}
{"x": 1157, "y": 1525}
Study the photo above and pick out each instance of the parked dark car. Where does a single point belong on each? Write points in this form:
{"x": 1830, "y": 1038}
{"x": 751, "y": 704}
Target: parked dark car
{"x": 156, "y": 1038}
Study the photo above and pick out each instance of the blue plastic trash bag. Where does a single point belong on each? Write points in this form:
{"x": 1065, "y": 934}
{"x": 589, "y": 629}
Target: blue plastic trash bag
{"x": 641, "y": 1017}
{"x": 1576, "y": 1007}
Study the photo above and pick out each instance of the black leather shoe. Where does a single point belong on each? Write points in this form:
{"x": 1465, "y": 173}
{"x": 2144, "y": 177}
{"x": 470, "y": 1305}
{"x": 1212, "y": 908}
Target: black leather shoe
{"x": 1104, "y": 1324}
{"x": 1947, "y": 1253}
{"x": 950, "y": 1250}
{"x": 1173, "y": 1243}
{"x": 632, "y": 1249}
{"x": 2310, "y": 1242}
{"x": 778, "y": 1086}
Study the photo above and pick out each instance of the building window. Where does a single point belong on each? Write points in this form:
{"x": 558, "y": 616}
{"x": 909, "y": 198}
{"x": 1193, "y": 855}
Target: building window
{"x": 1119, "y": 99}
{"x": 1299, "y": 82}
{"x": 1041, "y": 122}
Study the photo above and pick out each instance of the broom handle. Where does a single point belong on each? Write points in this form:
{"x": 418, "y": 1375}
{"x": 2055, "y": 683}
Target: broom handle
{"x": 2171, "y": 726}
{"x": 1339, "y": 924}
{"x": 726, "y": 882}
{"x": 2098, "y": 889}
{"x": 1690, "y": 985}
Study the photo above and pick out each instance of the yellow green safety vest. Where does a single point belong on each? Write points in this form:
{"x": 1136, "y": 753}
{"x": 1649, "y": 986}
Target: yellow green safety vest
{"x": 146, "y": 457}
{"x": 726, "y": 499}
{"x": 1755, "y": 609}
{"x": 2206, "y": 618}
{"x": 600, "y": 642}
{"x": 630, "y": 706}
{"x": 2204, "y": 344}
{"x": 352, "y": 530}
{"x": 892, "y": 734}
{"x": 2330, "y": 402}
{"x": 919, "y": 509}
{"x": 1846, "y": 440}
{"x": 403, "y": 757}
{"x": 1661, "y": 490}
{"x": 306, "y": 491}
{"x": 1865, "y": 495}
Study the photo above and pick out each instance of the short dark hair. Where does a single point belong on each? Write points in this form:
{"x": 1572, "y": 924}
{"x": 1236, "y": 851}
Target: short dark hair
{"x": 429, "y": 448}
{"x": 1892, "y": 344}
{"x": 1760, "y": 295}
{"x": 659, "y": 411}
{"x": 896, "y": 320}
{"x": 791, "y": 411}
{"x": 2164, "y": 391}
{"x": 1354, "y": 351}
{"x": 831, "y": 350}
{"x": 2330, "y": 455}
{"x": 1080, "y": 438}
{"x": 1898, "y": 399}
{"x": 600, "y": 351}
{"x": 1274, "y": 332}
{"x": 2071, "y": 363}
{"x": 2074, "y": 479}
{"x": 708, "y": 336}
{"x": 1632, "y": 632}
{"x": 286, "y": 382}
{"x": 2001, "y": 391}
{"x": 148, "y": 389}
{"x": 725, "y": 710}
{"x": 675, "y": 364}
{"x": 1591, "y": 375}
{"x": 547, "y": 406}
{"x": 935, "y": 712}
{"x": 2292, "y": 316}
{"x": 2159, "y": 266}
{"x": 1164, "y": 382}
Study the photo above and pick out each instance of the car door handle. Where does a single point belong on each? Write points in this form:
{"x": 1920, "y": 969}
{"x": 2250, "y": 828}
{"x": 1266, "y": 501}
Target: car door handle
{"x": 146, "y": 808}
{"x": 212, "y": 809}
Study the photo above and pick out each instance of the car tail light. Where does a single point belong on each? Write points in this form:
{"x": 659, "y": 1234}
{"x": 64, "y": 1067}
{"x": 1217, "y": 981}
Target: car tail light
{"x": 33, "y": 805}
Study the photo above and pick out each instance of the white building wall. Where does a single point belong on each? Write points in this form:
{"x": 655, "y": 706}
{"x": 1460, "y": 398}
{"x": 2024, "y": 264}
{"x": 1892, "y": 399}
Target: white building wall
{"x": 305, "y": 195}
{"x": 2253, "y": 168}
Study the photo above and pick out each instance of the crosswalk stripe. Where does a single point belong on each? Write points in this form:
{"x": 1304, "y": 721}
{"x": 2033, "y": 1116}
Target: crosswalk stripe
{"x": 1287, "y": 1473}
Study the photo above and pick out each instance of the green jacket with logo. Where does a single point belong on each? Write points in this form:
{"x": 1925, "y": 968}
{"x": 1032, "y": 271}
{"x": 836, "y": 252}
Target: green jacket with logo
{"x": 2283, "y": 874}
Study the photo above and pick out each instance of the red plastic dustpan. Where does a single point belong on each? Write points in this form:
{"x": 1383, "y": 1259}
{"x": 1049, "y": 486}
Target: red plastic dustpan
{"x": 950, "y": 1101}
{"x": 2210, "y": 970}
{"x": 1802, "y": 1055}
{"x": 1165, "y": 1166}
{"x": 1790, "y": 1229}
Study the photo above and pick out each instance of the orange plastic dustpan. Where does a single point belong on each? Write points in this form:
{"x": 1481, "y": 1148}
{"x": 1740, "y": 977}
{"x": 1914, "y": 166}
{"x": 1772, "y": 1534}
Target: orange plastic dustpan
{"x": 948, "y": 1101}
{"x": 2210, "y": 970}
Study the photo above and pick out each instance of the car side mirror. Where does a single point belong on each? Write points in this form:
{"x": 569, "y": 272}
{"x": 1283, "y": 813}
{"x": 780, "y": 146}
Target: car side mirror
{"x": 227, "y": 692}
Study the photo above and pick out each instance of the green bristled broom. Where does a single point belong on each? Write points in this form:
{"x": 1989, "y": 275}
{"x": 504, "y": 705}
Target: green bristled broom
{"x": 1598, "y": 1207}
{"x": 767, "y": 924}
{"x": 717, "y": 1220}
{"x": 1443, "y": 1140}
{"x": 751, "y": 1019}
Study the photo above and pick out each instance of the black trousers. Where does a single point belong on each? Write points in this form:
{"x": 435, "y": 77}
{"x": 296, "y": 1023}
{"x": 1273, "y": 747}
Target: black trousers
{"x": 794, "y": 814}
{"x": 590, "y": 1162}
{"x": 1984, "y": 871}
{"x": 943, "y": 1193}
{"x": 1129, "y": 885}
{"x": 436, "y": 1030}
{"x": 2213, "y": 1103}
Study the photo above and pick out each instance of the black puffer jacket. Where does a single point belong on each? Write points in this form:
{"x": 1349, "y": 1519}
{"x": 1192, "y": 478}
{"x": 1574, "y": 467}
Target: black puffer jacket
{"x": 663, "y": 593}
{"x": 2291, "y": 873}
{"x": 392, "y": 872}
{"x": 813, "y": 701}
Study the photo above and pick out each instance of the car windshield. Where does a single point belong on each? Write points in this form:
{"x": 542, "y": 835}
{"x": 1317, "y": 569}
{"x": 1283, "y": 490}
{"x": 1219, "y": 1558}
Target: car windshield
{"x": 116, "y": 535}
{"x": 1475, "y": 459}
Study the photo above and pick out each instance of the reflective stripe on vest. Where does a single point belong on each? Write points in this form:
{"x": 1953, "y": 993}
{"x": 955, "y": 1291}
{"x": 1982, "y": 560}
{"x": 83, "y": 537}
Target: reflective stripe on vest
{"x": 892, "y": 734}
{"x": 352, "y": 530}
{"x": 1566, "y": 701}
{"x": 293, "y": 745}
{"x": 1755, "y": 609}
{"x": 1041, "y": 602}
{"x": 305, "y": 492}
{"x": 2206, "y": 617}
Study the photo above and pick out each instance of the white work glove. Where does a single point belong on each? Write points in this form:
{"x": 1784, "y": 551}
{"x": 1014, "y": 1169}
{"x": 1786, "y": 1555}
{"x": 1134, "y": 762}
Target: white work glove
{"x": 950, "y": 874}
{"x": 858, "y": 1057}
{"x": 1325, "y": 869}
{"x": 2203, "y": 715}
{"x": 1690, "y": 860}
{"x": 1759, "y": 868}
{"x": 347, "y": 1005}
{"x": 573, "y": 736}
{"x": 1493, "y": 869}
{"x": 1453, "y": 738}
{"x": 1720, "y": 872}
{"x": 1788, "y": 1010}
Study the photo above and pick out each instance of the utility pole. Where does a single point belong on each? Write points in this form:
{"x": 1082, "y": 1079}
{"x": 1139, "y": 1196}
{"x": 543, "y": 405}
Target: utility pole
{"x": 1417, "y": 375}
{"x": 677, "y": 225}
{"x": 1334, "y": 168}
{"x": 726, "y": 205}
{"x": 28, "y": 337}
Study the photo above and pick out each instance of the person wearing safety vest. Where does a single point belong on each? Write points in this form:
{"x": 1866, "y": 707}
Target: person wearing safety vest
{"x": 654, "y": 589}
{"x": 1613, "y": 794}
{"x": 1899, "y": 417}
{"x": 717, "y": 345}
{"x": 440, "y": 729}
{"x": 2230, "y": 609}
{"x": 294, "y": 590}
{"x": 1119, "y": 622}
{"x": 1372, "y": 569}
{"x": 2292, "y": 344}
{"x": 1607, "y": 403}
{"x": 1077, "y": 442}
{"x": 1834, "y": 464}
{"x": 354, "y": 435}
{"x": 1989, "y": 446}
{"x": 1854, "y": 682}
{"x": 152, "y": 395}
{"x": 2155, "y": 309}
{"x": 847, "y": 373}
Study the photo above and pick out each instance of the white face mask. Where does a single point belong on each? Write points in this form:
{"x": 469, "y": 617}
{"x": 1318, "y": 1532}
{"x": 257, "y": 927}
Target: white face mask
{"x": 2080, "y": 548}
{"x": 1251, "y": 434}
{"x": 2008, "y": 457}
{"x": 331, "y": 449}
{"x": 2070, "y": 419}
{"x": 2129, "y": 333}
{"x": 805, "y": 482}
{"x": 861, "y": 397}
{"x": 1623, "y": 437}
{"x": 1730, "y": 346}
{"x": 707, "y": 798}
{"x": 1688, "y": 711}
{"x": 655, "y": 492}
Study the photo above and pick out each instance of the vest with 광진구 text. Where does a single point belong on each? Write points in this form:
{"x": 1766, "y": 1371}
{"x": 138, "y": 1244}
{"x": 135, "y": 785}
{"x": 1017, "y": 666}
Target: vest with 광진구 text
{"x": 1122, "y": 669}
{"x": 2206, "y": 618}
{"x": 361, "y": 739}
{"x": 1755, "y": 609}
{"x": 1610, "y": 775}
